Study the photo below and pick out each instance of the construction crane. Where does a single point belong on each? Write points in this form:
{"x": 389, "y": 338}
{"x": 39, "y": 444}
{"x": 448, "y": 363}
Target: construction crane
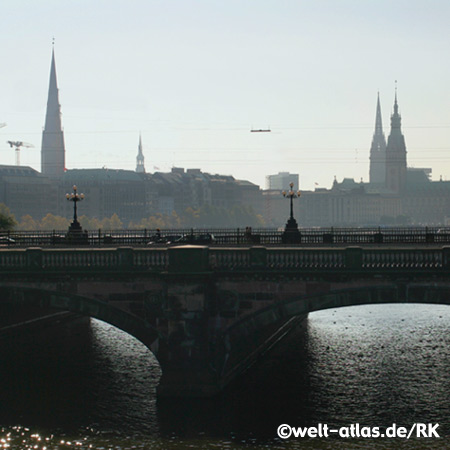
{"x": 17, "y": 145}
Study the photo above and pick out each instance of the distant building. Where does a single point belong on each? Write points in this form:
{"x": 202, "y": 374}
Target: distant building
{"x": 25, "y": 191}
{"x": 107, "y": 192}
{"x": 395, "y": 194}
{"x": 406, "y": 196}
{"x": 281, "y": 181}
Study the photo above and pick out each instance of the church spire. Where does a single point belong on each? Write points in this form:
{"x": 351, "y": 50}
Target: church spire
{"x": 53, "y": 150}
{"x": 140, "y": 157}
{"x": 396, "y": 165}
{"x": 378, "y": 150}
{"x": 396, "y": 120}
{"x": 378, "y": 123}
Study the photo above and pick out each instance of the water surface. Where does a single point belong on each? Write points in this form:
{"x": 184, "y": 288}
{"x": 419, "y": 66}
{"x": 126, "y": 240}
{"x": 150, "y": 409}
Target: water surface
{"x": 89, "y": 385}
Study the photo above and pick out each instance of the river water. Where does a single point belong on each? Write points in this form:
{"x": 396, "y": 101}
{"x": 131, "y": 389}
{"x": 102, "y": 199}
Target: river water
{"x": 89, "y": 385}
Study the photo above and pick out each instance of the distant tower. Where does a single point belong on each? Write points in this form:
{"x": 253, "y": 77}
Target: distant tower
{"x": 52, "y": 151}
{"x": 378, "y": 151}
{"x": 396, "y": 153}
{"x": 140, "y": 158}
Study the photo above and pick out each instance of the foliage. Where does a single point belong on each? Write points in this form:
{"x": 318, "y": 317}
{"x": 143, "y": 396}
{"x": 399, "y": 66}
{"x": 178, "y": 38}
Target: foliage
{"x": 205, "y": 217}
{"x": 27, "y": 223}
{"x": 113, "y": 223}
{"x": 51, "y": 222}
{"x": 7, "y": 220}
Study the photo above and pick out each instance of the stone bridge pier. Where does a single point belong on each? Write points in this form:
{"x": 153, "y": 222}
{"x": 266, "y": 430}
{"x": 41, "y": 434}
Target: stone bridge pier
{"x": 210, "y": 339}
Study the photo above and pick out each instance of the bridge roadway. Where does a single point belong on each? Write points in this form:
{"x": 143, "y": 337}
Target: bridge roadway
{"x": 207, "y": 313}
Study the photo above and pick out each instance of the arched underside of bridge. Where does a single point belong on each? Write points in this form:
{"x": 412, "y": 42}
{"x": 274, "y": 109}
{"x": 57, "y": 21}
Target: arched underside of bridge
{"x": 63, "y": 301}
{"x": 247, "y": 334}
{"x": 202, "y": 363}
{"x": 368, "y": 295}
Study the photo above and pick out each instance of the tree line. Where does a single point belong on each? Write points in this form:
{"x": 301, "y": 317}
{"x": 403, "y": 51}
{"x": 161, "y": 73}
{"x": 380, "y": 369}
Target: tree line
{"x": 205, "y": 217}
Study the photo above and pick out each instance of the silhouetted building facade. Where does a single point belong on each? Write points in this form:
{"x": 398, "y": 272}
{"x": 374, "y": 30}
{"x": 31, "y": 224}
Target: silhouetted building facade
{"x": 26, "y": 192}
{"x": 395, "y": 193}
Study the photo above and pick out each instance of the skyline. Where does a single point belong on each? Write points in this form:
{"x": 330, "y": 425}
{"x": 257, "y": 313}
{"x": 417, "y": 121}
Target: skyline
{"x": 194, "y": 80}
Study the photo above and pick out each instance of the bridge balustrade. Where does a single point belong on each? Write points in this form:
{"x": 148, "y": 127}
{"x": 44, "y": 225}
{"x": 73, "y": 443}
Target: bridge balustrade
{"x": 291, "y": 259}
{"x": 239, "y": 258}
{"x": 229, "y": 258}
{"x": 13, "y": 259}
{"x": 151, "y": 258}
{"x": 402, "y": 258}
{"x": 80, "y": 258}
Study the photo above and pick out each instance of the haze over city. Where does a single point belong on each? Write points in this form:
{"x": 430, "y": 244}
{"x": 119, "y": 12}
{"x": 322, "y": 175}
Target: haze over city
{"x": 195, "y": 77}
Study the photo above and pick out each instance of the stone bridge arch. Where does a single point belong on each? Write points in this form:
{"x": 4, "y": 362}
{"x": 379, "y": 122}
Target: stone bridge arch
{"x": 85, "y": 306}
{"x": 255, "y": 331}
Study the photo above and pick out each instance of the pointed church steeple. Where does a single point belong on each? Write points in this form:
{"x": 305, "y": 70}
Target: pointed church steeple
{"x": 378, "y": 123}
{"x": 396, "y": 153}
{"x": 378, "y": 150}
{"x": 53, "y": 149}
{"x": 140, "y": 157}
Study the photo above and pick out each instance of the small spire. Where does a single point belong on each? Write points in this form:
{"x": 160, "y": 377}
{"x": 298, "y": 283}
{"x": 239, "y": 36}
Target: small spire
{"x": 140, "y": 157}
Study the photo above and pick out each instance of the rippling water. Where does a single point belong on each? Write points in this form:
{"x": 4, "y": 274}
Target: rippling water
{"x": 88, "y": 385}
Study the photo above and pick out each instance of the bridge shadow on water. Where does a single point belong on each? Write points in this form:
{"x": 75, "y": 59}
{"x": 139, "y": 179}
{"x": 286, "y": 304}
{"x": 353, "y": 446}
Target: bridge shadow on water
{"x": 374, "y": 365}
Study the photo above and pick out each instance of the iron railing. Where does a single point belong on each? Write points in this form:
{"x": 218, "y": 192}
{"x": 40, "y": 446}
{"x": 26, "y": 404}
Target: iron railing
{"x": 227, "y": 237}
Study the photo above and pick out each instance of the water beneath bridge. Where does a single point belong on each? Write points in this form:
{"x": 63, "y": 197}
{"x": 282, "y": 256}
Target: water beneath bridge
{"x": 89, "y": 385}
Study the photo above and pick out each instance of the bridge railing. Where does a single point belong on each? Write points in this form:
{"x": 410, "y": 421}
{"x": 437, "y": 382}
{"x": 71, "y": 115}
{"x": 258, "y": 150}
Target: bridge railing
{"x": 227, "y": 237}
{"x": 260, "y": 258}
{"x": 403, "y": 258}
{"x": 83, "y": 259}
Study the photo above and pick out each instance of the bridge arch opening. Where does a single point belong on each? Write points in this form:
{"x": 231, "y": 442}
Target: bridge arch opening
{"x": 50, "y": 300}
{"x": 379, "y": 363}
{"x": 78, "y": 369}
{"x": 364, "y": 295}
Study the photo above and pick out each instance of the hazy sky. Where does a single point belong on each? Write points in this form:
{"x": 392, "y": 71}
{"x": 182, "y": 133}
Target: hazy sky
{"x": 194, "y": 77}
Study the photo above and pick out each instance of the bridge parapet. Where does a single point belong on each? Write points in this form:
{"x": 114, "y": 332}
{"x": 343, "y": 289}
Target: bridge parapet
{"x": 183, "y": 259}
{"x": 82, "y": 259}
{"x": 404, "y": 258}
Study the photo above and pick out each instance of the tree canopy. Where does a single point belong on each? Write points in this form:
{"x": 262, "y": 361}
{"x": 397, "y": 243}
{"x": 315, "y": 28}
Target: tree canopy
{"x": 7, "y": 220}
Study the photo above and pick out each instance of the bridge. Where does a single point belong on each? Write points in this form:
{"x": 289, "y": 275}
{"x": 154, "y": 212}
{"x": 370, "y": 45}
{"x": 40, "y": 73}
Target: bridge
{"x": 208, "y": 312}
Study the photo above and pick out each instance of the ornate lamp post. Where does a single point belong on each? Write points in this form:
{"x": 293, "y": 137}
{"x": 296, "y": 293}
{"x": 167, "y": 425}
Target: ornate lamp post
{"x": 74, "y": 197}
{"x": 291, "y": 233}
